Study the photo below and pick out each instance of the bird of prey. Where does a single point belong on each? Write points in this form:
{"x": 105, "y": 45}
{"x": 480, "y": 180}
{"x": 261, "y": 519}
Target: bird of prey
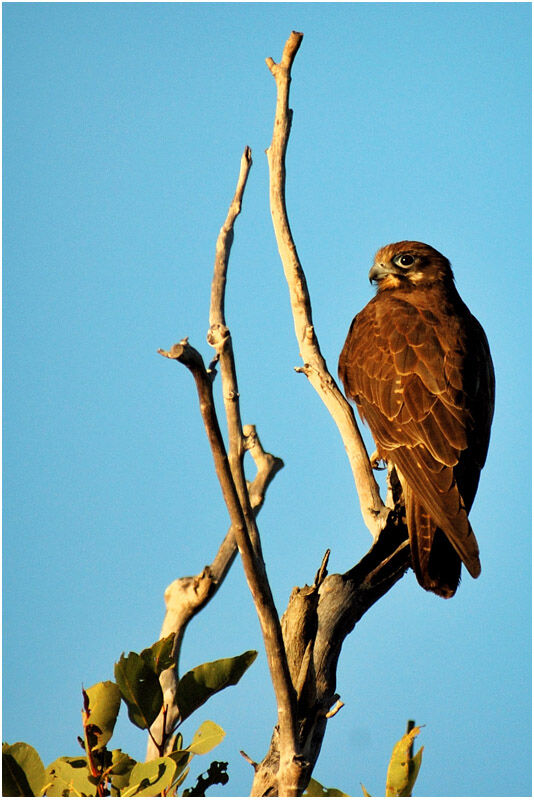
{"x": 418, "y": 365}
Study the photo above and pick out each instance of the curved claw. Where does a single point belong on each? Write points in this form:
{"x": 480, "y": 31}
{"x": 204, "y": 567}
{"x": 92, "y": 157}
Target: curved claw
{"x": 377, "y": 462}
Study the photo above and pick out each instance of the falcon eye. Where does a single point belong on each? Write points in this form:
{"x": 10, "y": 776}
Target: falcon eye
{"x": 404, "y": 260}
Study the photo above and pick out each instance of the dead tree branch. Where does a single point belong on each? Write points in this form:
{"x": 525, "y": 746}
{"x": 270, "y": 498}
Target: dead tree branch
{"x": 230, "y": 472}
{"x": 255, "y": 573}
{"x": 373, "y": 510}
{"x": 315, "y": 624}
{"x": 220, "y": 339}
{"x": 186, "y": 597}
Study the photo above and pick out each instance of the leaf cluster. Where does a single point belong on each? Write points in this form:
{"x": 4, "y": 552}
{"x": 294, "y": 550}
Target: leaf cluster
{"x": 100, "y": 772}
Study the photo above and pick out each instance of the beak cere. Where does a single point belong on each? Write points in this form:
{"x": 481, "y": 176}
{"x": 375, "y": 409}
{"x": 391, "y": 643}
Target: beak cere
{"x": 377, "y": 272}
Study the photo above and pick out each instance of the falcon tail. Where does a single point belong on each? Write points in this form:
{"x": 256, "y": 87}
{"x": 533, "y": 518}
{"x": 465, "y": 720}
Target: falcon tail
{"x": 435, "y": 561}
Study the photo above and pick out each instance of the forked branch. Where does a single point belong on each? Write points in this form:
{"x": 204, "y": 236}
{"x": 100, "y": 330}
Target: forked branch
{"x": 230, "y": 472}
{"x": 186, "y": 597}
{"x": 254, "y": 572}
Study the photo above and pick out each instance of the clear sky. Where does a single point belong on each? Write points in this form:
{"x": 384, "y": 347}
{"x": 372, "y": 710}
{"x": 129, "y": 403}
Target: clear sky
{"x": 123, "y": 129}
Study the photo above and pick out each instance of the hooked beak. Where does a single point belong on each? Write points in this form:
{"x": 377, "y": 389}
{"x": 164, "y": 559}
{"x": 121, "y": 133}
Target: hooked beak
{"x": 377, "y": 272}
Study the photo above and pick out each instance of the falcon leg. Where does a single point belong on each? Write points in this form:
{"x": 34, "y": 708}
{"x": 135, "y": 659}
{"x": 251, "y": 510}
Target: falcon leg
{"x": 377, "y": 462}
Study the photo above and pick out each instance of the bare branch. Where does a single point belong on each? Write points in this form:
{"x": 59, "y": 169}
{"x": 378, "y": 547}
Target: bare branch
{"x": 333, "y": 711}
{"x": 373, "y": 510}
{"x": 224, "y": 243}
{"x": 254, "y": 568}
{"x": 186, "y": 597}
{"x": 248, "y": 758}
{"x": 303, "y": 649}
{"x": 319, "y": 617}
{"x": 243, "y": 501}
{"x": 267, "y": 466}
{"x": 315, "y": 624}
{"x": 219, "y": 337}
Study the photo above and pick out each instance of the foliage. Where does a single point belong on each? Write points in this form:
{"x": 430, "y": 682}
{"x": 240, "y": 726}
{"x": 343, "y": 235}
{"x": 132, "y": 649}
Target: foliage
{"x": 23, "y": 773}
{"x": 100, "y": 772}
{"x": 201, "y": 682}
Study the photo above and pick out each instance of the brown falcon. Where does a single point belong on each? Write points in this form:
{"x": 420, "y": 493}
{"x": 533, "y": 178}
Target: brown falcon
{"x": 418, "y": 365}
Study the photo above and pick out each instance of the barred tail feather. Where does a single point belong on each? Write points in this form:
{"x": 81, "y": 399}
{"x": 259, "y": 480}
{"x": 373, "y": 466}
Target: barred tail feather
{"x": 435, "y": 562}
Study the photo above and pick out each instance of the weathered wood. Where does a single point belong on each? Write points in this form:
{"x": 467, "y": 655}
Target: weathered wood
{"x": 186, "y": 597}
{"x": 373, "y": 510}
{"x": 315, "y": 624}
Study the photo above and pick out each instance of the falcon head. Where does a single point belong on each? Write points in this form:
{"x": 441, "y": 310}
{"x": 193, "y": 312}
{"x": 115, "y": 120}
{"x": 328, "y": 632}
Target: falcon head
{"x": 409, "y": 264}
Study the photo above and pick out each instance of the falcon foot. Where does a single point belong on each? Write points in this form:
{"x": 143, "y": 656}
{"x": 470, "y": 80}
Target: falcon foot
{"x": 377, "y": 462}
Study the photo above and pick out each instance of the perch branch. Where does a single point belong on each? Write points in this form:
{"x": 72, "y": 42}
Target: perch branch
{"x": 373, "y": 510}
{"x": 315, "y": 624}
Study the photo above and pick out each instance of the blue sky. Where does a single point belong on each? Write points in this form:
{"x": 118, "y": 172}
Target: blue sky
{"x": 123, "y": 129}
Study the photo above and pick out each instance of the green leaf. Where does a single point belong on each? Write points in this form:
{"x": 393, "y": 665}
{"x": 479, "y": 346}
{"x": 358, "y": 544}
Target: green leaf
{"x": 203, "y": 681}
{"x": 69, "y": 777}
{"x": 23, "y": 772}
{"x": 14, "y": 780}
{"x": 316, "y": 789}
{"x": 181, "y": 758}
{"x": 416, "y": 761}
{"x": 403, "y": 767}
{"x": 181, "y": 779}
{"x": 140, "y": 689}
{"x": 208, "y": 736}
{"x": 121, "y": 767}
{"x": 176, "y": 742}
{"x": 150, "y": 778}
{"x": 159, "y": 656}
{"x": 104, "y": 703}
